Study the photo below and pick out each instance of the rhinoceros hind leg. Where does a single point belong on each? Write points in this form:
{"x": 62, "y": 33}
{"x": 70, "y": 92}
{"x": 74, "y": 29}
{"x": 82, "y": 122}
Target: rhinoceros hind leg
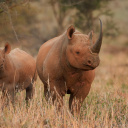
{"x": 29, "y": 92}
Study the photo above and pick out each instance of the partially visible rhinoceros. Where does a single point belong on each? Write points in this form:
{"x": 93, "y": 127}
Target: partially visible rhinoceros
{"x": 66, "y": 64}
{"x": 17, "y": 72}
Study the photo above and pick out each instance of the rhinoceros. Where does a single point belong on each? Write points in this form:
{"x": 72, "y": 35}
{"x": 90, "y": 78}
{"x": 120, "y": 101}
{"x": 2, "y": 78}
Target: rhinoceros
{"x": 17, "y": 72}
{"x": 66, "y": 64}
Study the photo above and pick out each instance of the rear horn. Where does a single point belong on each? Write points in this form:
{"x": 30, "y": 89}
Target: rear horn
{"x": 95, "y": 48}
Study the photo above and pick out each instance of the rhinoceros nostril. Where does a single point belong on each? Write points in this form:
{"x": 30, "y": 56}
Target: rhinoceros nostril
{"x": 89, "y": 62}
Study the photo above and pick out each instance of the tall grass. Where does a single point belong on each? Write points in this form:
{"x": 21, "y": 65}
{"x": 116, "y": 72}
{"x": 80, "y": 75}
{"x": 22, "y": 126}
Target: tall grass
{"x": 106, "y": 106}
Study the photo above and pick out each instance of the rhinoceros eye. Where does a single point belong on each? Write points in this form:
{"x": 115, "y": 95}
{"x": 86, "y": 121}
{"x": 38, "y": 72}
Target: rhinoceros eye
{"x": 77, "y": 53}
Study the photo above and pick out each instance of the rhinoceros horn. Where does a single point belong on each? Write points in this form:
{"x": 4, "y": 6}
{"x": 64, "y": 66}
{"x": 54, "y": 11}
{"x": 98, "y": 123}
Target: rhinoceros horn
{"x": 90, "y": 37}
{"x": 95, "y": 48}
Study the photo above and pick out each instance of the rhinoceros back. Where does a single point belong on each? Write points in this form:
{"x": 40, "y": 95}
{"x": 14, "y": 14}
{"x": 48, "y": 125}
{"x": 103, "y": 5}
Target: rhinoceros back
{"x": 24, "y": 64}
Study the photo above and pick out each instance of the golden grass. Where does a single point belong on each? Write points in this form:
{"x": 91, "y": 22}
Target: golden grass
{"x": 106, "y": 106}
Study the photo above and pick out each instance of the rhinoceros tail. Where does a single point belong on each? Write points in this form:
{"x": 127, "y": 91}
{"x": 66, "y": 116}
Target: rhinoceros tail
{"x": 34, "y": 77}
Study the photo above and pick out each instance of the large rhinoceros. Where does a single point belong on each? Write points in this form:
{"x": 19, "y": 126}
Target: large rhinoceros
{"x": 17, "y": 72}
{"x": 66, "y": 64}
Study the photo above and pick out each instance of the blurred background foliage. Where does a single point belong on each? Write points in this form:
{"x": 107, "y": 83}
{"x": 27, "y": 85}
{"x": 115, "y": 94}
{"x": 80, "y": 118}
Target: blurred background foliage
{"x": 29, "y": 23}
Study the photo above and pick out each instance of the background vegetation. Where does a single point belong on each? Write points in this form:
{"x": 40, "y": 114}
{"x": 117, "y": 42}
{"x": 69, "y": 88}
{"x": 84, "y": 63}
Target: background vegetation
{"x": 28, "y": 24}
{"x": 31, "y": 23}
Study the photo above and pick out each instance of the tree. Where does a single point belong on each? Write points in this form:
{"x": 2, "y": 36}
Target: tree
{"x": 86, "y": 12}
{"x": 10, "y": 4}
{"x": 60, "y": 13}
{"x": 85, "y": 15}
{"x": 16, "y": 17}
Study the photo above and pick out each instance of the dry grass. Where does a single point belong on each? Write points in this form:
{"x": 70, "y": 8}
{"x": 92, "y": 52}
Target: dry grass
{"x": 106, "y": 105}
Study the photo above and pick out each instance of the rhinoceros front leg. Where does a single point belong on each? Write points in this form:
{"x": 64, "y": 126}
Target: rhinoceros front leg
{"x": 52, "y": 92}
{"x": 8, "y": 95}
{"x": 76, "y": 100}
{"x": 4, "y": 98}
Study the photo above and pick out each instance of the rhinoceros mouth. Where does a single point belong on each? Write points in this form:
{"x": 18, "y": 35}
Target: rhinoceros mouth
{"x": 89, "y": 67}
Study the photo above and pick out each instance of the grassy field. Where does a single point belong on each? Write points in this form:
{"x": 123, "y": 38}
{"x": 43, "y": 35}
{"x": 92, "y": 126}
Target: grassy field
{"x": 106, "y": 106}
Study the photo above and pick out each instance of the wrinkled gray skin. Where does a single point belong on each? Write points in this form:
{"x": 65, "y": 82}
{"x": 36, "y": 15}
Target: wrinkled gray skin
{"x": 66, "y": 64}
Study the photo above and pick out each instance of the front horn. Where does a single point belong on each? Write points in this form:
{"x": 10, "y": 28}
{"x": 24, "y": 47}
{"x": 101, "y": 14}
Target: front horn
{"x": 95, "y": 48}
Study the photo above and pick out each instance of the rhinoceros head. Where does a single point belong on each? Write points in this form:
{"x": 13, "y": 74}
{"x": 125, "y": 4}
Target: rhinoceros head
{"x": 3, "y": 52}
{"x": 81, "y": 52}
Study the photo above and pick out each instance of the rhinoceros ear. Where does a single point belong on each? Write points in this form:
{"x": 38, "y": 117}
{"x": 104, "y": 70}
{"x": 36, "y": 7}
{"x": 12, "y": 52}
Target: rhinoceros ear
{"x": 7, "y": 48}
{"x": 70, "y": 31}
